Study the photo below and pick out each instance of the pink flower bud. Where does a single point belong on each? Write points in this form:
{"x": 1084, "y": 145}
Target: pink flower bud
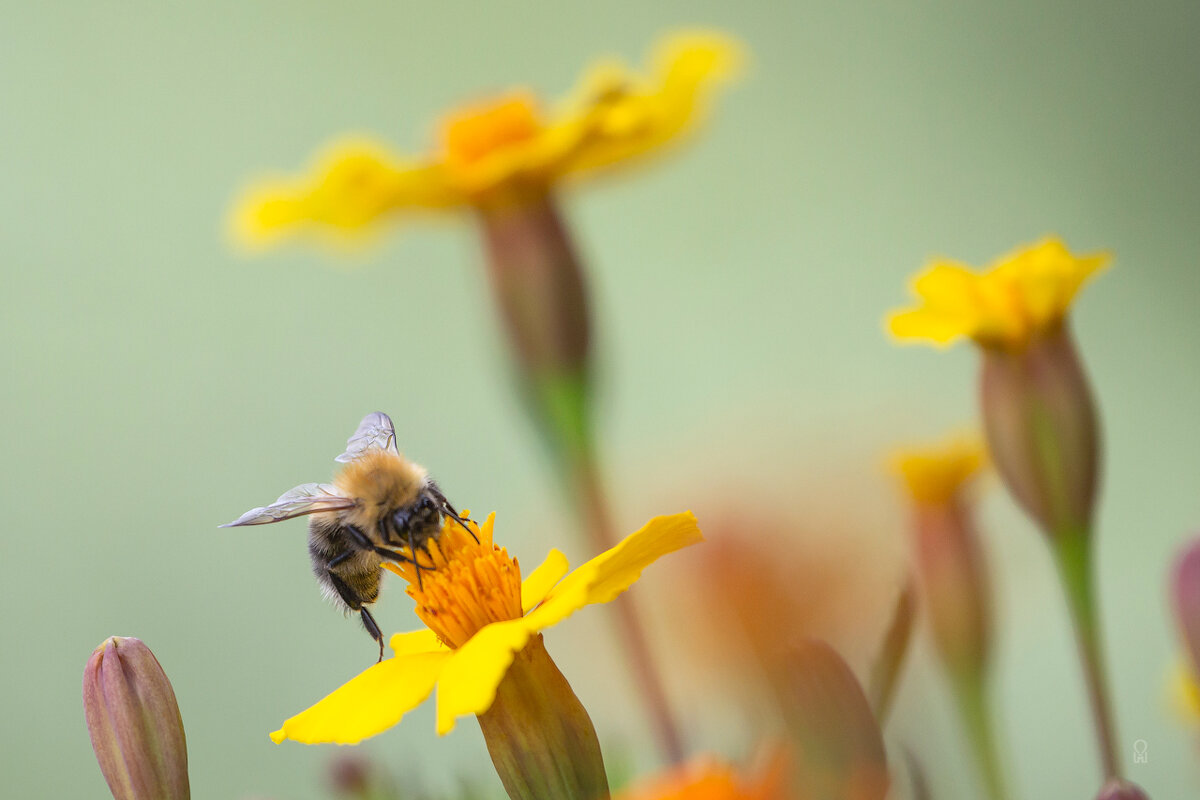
{"x": 955, "y": 584}
{"x": 134, "y": 722}
{"x": 1117, "y": 789}
{"x": 1185, "y": 597}
{"x": 840, "y": 746}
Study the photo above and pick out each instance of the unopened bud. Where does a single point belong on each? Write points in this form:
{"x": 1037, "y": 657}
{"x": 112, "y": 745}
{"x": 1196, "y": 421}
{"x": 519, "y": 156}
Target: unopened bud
{"x": 954, "y": 581}
{"x": 1041, "y": 429}
{"x": 1117, "y": 789}
{"x": 840, "y": 746}
{"x": 350, "y": 776}
{"x": 1185, "y": 599}
{"x": 134, "y": 722}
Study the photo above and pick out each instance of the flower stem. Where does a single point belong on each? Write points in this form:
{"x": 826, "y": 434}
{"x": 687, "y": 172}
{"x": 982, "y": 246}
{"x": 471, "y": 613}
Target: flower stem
{"x": 589, "y": 494}
{"x": 971, "y": 693}
{"x": 1073, "y": 554}
{"x": 561, "y": 406}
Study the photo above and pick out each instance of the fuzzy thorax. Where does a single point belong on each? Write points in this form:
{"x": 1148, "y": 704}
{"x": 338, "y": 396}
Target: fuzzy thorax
{"x": 380, "y": 482}
{"x": 464, "y": 584}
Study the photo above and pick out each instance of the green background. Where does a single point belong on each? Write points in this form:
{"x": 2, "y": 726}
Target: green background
{"x": 157, "y": 385}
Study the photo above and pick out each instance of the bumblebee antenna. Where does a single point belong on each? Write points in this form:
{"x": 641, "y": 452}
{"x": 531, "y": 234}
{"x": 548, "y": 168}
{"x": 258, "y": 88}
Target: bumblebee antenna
{"x": 452, "y": 514}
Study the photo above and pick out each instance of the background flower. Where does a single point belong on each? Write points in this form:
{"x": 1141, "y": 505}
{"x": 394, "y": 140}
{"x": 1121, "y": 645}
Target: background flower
{"x": 742, "y": 286}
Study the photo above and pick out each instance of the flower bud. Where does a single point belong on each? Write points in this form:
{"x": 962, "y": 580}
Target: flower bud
{"x": 134, "y": 722}
{"x": 350, "y": 776}
{"x": 1185, "y": 598}
{"x": 840, "y": 747}
{"x": 1117, "y": 789}
{"x": 540, "y": 737}
{"x": 955, "y": 585}
{"x": 1041, "y": 429}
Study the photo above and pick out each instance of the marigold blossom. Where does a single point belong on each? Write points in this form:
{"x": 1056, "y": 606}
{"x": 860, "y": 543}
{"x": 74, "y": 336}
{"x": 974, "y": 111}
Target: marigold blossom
{"x": 499, "y": 150}
{"x": 935, "y": 474}
{"x": 712, "y": 779}
{"x": 1019, "y": 297}
{"x": 480, "y": 614}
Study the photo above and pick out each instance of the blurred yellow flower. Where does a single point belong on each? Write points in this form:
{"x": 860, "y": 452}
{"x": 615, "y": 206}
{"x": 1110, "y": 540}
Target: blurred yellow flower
{"x": 712, "y": 779}
{"x": 1184, "y": 692}
{"x": 502, "y": 150}
{"x": 480, "y": 614}
{"x": 1022, "y": 295}
{"x": 935, "y": 474}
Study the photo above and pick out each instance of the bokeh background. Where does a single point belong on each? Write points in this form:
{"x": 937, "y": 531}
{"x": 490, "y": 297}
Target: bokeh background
{"x": 156, "y": 384}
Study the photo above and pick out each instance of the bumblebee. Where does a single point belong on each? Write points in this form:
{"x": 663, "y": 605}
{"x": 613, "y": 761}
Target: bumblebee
{"x": 379, "y": 502}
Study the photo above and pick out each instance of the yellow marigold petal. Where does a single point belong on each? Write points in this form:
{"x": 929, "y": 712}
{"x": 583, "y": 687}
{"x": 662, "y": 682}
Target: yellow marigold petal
{"x": 1018, "y": 297}
{"x": 353, "y": 186}
{"x": 539, "y": 583}
{"x": 936, "y": 327}
{"x": 368, "y": 704}
{"x": 468, "y": 683}
{"x": 947, "y": 286}
{"x": 414, "y": 642}
{"x": 936, "y": 473}
{"x": 616, "y": 115}
{"x": 1185, "y": 692}
{"x": 612, "y": 572}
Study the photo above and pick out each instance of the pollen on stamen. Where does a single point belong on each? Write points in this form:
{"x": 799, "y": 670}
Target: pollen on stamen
{"x": 464, "y": 584}
{"x": 475, "y": 132}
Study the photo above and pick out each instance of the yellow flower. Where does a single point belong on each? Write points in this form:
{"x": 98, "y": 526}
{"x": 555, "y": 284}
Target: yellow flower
{"x": 1023, "y": 295}
{"x": 935, "y": 474}
{"x": 712, "y": 779}
{"x": 1184, "y": 692}
{"x": 480, "y": 614}
{"x": 501, "y": 150}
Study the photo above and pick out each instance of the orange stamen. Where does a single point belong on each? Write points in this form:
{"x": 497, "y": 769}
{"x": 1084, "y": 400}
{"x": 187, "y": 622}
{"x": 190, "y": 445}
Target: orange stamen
{"x": 464, "y": 585}
{"x": 475, "y": 132}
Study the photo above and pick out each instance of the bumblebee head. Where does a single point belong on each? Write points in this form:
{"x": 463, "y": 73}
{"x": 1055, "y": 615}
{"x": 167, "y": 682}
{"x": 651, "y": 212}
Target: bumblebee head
{"x": 420, "y": 518}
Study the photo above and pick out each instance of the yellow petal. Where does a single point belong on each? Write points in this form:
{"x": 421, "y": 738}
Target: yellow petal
{"x": 610, "y": 573}
{"x": 539, "y": 583}
{"x": 939, "y": 328}
{"x": 353, "y": 186}
{"x": 1184, "y": 692}
{"x": 936, "y": 473}
{"x": 368, "y": 704}
{"x": 414, "y": 642}
{"x": 468, "y": 682}
{"x": 617, "y": 114}
{"x": 1017, "y": 298}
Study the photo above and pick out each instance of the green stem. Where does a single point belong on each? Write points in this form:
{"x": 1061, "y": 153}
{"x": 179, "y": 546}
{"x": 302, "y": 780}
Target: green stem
{"x": 562, "y": 410}
{"x": 1073, "y": 554}
{"x": 971, "y": 694}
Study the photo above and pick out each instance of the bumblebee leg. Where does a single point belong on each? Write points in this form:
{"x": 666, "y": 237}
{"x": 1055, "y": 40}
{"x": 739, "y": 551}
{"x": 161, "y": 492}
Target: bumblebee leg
{"x": 363, "y": 543}
{"x": 372, "y": 627}
{"x": 356, "y": 604}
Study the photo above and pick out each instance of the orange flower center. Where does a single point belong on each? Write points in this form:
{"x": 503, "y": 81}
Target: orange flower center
{"x": 463, "y": 584}
{"x": 476, "y": 132}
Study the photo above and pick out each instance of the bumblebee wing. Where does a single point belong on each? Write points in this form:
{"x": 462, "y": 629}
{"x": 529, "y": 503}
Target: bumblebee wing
{"x": 308, "y": 498}
{"x": 375, "y": 432}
